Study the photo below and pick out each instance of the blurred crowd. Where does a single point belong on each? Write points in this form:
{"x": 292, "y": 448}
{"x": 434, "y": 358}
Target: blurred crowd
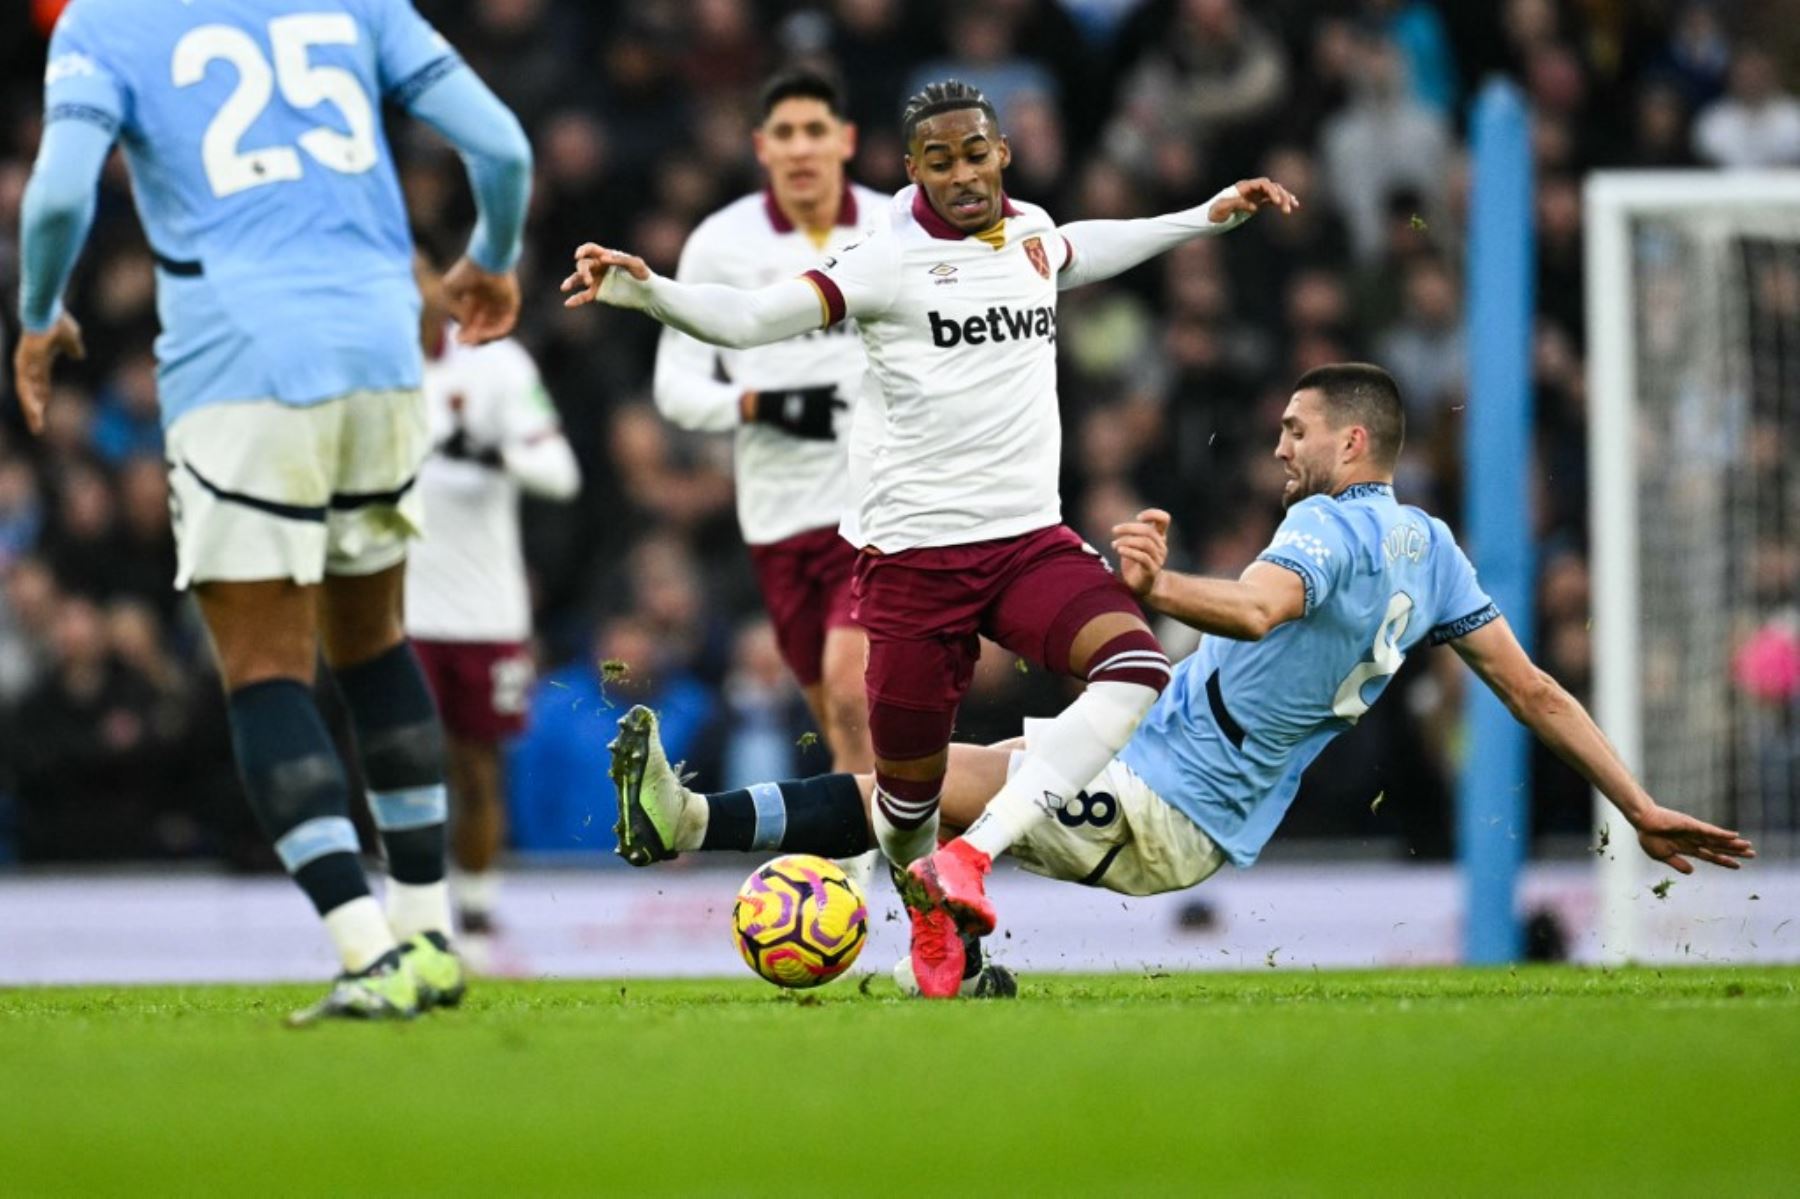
{"x": 1173, "y": 376}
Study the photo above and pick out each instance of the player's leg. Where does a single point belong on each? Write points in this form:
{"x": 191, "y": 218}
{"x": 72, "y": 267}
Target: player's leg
{"x": 264, "y": 635}
{"x": 827, "y": 814}
{"x": 480, "y": 689}
{"x": 477, "y": 831}
{"x": 249, "y": 487}
{"x": 844, "y": 699}
{"x": 805, "y": 583}
{"x": 400, "y": 745}
{"x": 920, "y": 612}
{"x": 1065, "y": 610}
{"x": 843, "y": 659}
{"x": 1125, "y": 670}
{"x": 374, "y": 511}
{"x": 660, "y": 818}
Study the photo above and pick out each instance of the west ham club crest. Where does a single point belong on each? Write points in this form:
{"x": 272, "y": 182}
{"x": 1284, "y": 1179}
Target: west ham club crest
{"x": 1034, "y": 250}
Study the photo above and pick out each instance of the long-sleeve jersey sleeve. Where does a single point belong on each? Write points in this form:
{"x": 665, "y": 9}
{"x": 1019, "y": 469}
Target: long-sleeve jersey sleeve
{"x": 724, "y": 316}
{"x": 425, "y": 76}
{"x": 1101, "y": 249}
{"x": 85, "y": 105}
{"x": 543, "y": 466}
{"x": 533, "y": 449}
{"x": 56, "y": 214}
{"x": 686, "y": 385}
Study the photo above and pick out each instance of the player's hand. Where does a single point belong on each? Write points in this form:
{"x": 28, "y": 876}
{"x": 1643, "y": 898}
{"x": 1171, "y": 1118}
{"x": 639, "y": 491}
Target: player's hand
{"x": 459, "y": 448}
{"x": 591, "y": 264}
{"x": 1253, "y": 194}
{"x": 1672, "y": 837}
{"x": 485, "y": 305}
{"x": 32, "y": 360}
{"x": 805, "y": 412}
{"x": 1143, "y": 549}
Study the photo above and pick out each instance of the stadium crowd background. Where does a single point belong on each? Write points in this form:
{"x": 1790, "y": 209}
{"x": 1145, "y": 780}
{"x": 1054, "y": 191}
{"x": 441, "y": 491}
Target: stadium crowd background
{"x": 113, "y": 743}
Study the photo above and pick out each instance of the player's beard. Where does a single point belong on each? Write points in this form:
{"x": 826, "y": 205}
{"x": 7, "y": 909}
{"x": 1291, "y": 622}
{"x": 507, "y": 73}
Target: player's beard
{"x": 1300, "y": 485}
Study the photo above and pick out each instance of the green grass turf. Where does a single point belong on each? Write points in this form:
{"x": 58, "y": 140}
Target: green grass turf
{"x": 1543, "y": 1081}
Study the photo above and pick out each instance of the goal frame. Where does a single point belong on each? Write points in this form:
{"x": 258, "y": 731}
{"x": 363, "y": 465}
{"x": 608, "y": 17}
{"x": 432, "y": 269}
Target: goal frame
{"x": 1611, "y": 201}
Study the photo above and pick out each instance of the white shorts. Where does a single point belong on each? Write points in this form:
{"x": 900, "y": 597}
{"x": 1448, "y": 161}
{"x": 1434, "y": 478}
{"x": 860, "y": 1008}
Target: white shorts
{"x": 1117, "y": 834}
{"x": 265, "y": 490}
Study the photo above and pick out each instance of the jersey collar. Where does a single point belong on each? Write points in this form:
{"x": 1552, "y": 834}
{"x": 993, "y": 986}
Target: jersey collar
{"x": 943, "y": 230}
{"x": 778, "y": 219}
{"x": 1361, "y": 491}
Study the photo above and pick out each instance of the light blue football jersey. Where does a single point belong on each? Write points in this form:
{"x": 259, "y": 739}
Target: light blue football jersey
{"x": 252, "y": 129}
{"x": 1241, "y": 720}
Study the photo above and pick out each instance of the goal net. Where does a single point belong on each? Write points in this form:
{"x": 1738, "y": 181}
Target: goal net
{"x": 1694, "y": 434}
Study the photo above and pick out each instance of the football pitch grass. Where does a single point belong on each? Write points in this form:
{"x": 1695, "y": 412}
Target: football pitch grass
{"x": 1534, "y": 1081}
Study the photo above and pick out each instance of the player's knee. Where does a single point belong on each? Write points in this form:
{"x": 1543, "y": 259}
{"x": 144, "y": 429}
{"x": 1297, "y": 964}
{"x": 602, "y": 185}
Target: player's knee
{"x": 911, "y": 757}
{"x": 1132, "y": 657}
{"x": 848, "y": 716}
{"x": 1125, "y": 676}
{"x": 907, "y": 735}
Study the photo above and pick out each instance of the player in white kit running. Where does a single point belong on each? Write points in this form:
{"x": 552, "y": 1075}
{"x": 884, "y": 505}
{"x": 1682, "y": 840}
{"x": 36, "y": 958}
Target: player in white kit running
{"x": 959, "y": 518}
{"x": 495, "y": 435}
{"x": 789, "y": 403}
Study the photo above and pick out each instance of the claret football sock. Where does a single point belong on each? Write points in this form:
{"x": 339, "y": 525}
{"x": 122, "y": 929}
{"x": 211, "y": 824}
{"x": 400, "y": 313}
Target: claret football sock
{"x": 903, "y": 842}
{"x": 822, "y": 815}
{"x": 401, "y": 746}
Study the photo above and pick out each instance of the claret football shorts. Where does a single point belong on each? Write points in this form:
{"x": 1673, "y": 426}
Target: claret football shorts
{"x": 805, "y": 583}
{"x": 265, "y": 490}
{"x": 1117, "y": 834}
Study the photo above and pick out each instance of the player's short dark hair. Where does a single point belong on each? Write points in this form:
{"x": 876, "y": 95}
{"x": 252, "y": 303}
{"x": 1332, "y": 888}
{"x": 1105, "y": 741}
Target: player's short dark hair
{"x": 934, "y": 98}
{"x": 1359, "y": 393}
{"x": 807, "y": 81}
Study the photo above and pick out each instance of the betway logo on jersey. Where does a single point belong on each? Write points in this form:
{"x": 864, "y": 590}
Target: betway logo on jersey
{"x": 997, "y": 324}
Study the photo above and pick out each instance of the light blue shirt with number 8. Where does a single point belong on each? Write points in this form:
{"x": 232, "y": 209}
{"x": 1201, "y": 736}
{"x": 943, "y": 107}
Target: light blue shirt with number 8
{"x": 1240, "y": 722}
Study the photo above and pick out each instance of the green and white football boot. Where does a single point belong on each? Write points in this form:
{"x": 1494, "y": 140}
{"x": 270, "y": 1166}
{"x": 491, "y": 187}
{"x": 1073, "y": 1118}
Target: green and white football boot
{"x": 382, "y": 990}
{"x": 652, "y": 801}
{"x": 437, "y": 969}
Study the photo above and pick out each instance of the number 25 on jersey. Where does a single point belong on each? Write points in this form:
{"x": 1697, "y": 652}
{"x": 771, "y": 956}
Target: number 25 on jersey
{"x": 230, "y": 170}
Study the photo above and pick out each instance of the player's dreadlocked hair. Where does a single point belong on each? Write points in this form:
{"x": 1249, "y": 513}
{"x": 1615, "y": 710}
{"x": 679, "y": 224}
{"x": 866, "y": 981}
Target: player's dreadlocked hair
{"x": 934, "y": 98}
{"x": 1357, "y": 393}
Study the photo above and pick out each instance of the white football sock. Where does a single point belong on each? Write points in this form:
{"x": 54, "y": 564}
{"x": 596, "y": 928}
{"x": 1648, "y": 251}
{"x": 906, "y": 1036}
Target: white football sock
{"x": 476, "y": 890}
{"x": 690, "y": 825}
{"x": 1062, "y": 759}
{"x": 903, "y": 846}
{"x": 861, "y": 869}
{"x": 359, "y": 931}
{"x": 414, "y": 908}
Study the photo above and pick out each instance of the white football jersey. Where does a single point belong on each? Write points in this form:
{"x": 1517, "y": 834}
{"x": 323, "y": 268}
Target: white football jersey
{"x": 785, "y": 484}
{"x": 465, "y": 579}
{"x": 960, "y": 332}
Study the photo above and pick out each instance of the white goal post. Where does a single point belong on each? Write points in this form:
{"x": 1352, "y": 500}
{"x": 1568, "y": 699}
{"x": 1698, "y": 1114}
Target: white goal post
{"x": 1690, "y": 365}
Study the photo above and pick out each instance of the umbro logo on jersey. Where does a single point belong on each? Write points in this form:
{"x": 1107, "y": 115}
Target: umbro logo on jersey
{"x": 943, "y": 270}
{"x": 997, "y": 324}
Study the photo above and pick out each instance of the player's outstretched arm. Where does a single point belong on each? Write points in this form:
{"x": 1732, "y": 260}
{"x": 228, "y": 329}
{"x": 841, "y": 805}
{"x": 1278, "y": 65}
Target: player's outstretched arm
{"x": 1247, "y": 608}
{"x": 713, "y": 312}
{"x": 1101, "y": 249}
{"x": 54, "y": 218}
{"x": 1542, "y": 705}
